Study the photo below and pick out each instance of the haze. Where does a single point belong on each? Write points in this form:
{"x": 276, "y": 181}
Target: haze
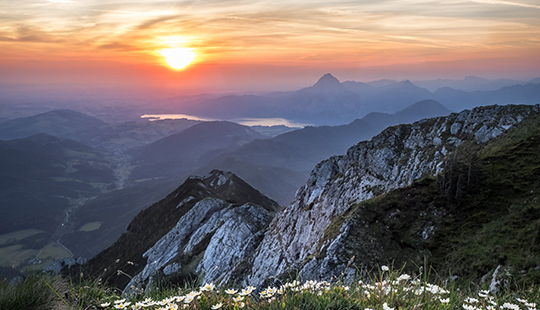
{"x": 261, "y": 46}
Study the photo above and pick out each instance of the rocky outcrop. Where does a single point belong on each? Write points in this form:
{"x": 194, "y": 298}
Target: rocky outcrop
{"x": 212, "y": 238}
{"x": 392, "y": 159}
{"x": 202, "y": 229}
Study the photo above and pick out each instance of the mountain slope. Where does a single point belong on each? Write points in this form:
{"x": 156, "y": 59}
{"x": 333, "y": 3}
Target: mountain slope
{"x": 327, "y": 102}
{"x": 197, "y": 208}
{"x": 294, "y": 154}
{"x": 481, "y": 213}
{"x": 178, "y": 155}
{"x": 59, "y": 123}
{"x": 41, "y": 174}
{"x": 395, "y": 158}
{"x": 457, "y": 100}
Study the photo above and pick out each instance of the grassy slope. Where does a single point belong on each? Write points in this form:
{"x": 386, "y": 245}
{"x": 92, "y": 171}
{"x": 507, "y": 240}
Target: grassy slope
{"x": 483, "y": 212}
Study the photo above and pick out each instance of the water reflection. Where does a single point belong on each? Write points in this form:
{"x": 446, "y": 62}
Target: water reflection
{"x": 254, "y": 121}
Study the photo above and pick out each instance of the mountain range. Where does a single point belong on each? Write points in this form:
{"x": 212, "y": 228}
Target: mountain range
{"x": 80, "y": 181}
{"x": 455, "y": 192}
{"x": 329, "y": 102}
{"x": 279, "y": 166}
{"x": 176, "y": 156}
{"x": 69, "y": 124}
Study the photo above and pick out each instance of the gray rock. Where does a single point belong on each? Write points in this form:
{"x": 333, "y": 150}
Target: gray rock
{"x": 232, "y": 233}
{"x": 395, "y": 158}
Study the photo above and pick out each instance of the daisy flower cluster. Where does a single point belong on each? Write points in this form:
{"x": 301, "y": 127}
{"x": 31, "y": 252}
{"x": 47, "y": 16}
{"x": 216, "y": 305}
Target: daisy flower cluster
{"x": 488, "y": 302}
{"x": 200, "y": 298}
{"x": 401, "y": 291}
{"x": 390, "y": 291}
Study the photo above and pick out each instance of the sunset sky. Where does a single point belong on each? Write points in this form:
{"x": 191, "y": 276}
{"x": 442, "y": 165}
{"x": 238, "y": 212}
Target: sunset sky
{"x": 265, "y": 45}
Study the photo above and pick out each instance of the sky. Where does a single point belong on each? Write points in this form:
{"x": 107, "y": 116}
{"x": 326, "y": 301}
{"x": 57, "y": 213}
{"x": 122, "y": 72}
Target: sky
{"x": 264, "y": 45}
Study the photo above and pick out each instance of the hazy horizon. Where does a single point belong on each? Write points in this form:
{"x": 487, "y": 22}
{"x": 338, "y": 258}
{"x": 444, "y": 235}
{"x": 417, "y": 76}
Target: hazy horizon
{"x": 247, "y": 46}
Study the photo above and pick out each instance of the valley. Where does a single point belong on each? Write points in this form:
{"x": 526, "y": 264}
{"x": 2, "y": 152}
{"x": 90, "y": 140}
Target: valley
{"x": 72, "y": 184}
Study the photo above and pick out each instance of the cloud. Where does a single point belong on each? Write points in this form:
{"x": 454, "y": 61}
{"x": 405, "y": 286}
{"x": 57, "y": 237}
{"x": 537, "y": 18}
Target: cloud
{"x": 275, "y": 31}
{"x": 118, "y": 46}
{"x": 511, "y": 3}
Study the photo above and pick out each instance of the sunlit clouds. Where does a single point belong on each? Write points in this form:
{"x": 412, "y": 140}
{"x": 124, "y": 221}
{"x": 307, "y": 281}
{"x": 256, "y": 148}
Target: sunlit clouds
{"x": 306, "y": 34}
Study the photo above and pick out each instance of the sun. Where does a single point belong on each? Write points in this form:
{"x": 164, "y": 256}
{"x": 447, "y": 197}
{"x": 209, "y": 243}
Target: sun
{"x": 178, "y": 58}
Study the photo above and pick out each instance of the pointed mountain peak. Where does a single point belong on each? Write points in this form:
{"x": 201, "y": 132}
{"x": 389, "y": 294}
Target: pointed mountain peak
{"x": 327, "y": 81}
{"x": 406, "y": 83}
{"x": 217, "y": 178}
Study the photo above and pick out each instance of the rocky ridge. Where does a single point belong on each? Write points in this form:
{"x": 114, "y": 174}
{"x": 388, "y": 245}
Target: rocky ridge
{"x": 392, "y": 159}
{"x": 183, "y": 235}
{"x": 220, "y": 230}
{"x": 211, "y": 239}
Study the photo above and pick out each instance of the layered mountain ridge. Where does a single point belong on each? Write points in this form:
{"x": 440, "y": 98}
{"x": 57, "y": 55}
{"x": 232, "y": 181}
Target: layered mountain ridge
{"x": 172, "y": 236}
{"x": 393, "y": 159}
{"x": 347, "y": 208}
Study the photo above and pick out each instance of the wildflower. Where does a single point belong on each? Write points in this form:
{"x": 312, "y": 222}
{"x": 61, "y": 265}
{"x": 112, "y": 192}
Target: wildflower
{"x": 244, "y": 293}
{"x": 510, "y": 306}
{"x": 385, "y": 307}
{"x": 217, "y": 306}
{"x": 241, "y": 305}
{"x": 231, "y": 292}
{"x": 119, "y": 301}
{"x": 384, "y": 268}
{"x": 194, "y": 293}
{"x": 208, "y": 287}
{"x": 265, "y": 294}
{"x": 188, "y": 299}
{"x": 444, "y": 301}
{"x": 471, "y": 300}
{"x": 137, "y": 306}
{"x": 481, "y": 294}
{"x": 104, "y": 305}
{"x": 521, "y": 300}
{"x": 237, "y": 299}
{"x": 404, "y": 277}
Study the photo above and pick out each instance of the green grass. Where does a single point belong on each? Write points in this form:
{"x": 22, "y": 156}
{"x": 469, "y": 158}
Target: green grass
{"x": 482, "y": 212}
{"x": 91, "y": 226}
{"x": 386, "y": 289}
{"x": 19, "y": 235}
{"x": 32, "y": 293}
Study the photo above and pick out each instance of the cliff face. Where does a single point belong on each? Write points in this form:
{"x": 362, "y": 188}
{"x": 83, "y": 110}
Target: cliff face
{"x": 205, "y": 226}
{"x": 392, "y": 159}
{"x": 367, "y": 203}
{"x": 210, "y": 240}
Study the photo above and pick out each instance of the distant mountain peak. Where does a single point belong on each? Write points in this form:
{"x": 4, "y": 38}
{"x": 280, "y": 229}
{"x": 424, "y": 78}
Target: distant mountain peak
{"x": 474, "y": 78}
{"x": 327, "y": 81}
{"x": 406, "y": 83}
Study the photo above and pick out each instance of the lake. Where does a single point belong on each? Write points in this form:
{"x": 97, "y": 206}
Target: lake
{"x": 270, "y": 121}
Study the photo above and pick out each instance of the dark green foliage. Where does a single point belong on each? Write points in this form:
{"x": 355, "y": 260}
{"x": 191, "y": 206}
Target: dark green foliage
{"x": 31, "y": 293}
{"x": 483, "y": 211}
{"x": 39, "y": 175}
